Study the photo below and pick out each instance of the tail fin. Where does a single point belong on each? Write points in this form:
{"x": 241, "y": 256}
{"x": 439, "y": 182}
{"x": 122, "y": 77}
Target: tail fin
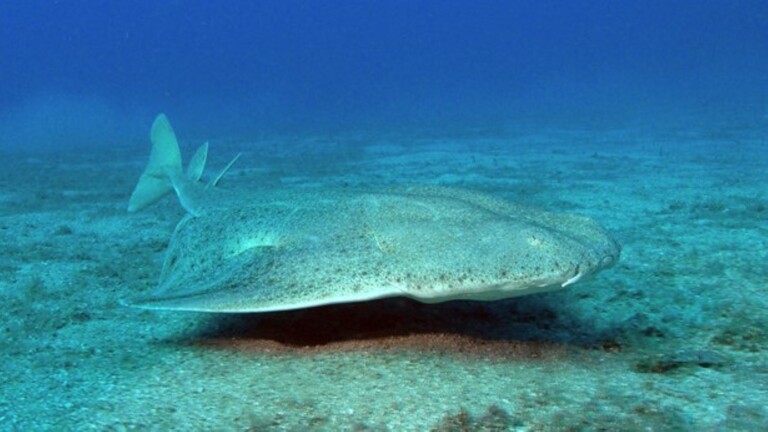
{"x": 164, "y": 165}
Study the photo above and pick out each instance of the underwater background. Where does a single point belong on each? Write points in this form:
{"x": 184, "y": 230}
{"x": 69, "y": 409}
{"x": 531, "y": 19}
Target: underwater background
{"x": 247, "y": 67}
{"x": 649, "y": 116}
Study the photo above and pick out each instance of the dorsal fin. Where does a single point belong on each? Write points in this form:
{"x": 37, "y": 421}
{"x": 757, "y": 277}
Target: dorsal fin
{"x": 218, "y": 178}
{"x": 197, "y": 163}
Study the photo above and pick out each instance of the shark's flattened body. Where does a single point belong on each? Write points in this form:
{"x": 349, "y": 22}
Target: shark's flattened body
{"x": 282, "y": 249}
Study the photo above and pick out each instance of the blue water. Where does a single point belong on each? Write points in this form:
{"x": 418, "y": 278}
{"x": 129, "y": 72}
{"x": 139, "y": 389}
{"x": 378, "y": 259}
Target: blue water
{"x": 649, "y": 116}
{"x": 84, "y": 70}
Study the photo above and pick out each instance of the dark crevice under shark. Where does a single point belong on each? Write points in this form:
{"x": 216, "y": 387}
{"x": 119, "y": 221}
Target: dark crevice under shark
{"x": 289, "y": 248}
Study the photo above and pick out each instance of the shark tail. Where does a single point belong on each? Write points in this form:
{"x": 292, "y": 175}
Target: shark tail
{"x": 164, "y": 170}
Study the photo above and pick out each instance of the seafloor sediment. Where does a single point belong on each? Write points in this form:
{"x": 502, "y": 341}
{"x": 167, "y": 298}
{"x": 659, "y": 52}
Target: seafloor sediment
{"x": 672, "y": 338}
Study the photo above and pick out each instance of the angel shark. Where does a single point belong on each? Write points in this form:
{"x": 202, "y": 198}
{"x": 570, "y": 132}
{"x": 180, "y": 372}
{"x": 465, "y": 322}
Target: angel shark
{"x": 282, "y": 249}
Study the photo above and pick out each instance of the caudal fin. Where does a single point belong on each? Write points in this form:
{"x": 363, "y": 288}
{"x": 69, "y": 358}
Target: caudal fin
{"x": 164, "y": 165}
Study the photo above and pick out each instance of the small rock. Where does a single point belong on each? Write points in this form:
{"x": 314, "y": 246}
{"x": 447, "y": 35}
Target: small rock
{"x": 668, "y": 362}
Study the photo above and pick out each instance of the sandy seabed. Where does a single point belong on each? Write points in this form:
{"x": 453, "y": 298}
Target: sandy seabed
{"x": 672, "y": 338}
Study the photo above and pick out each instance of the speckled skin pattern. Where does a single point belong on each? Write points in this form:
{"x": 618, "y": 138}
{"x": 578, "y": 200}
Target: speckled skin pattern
{"x": 290, "y": 249}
